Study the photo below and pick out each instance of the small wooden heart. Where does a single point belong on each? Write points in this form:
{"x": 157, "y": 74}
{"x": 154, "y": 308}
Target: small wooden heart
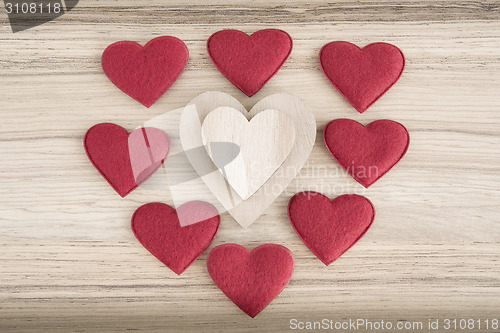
{"x": 247, "y": 211}
{"x": 263, "y": 144}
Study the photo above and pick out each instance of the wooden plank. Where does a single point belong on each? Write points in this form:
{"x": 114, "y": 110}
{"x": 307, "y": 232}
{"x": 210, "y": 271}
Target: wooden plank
{"x": 69, "y": 261}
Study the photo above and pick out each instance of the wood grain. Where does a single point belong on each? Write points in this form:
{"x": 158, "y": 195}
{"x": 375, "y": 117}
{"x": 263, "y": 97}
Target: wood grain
{"x": 69, "y": 261}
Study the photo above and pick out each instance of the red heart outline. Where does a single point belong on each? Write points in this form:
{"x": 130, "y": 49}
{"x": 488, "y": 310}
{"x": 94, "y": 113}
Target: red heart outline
{"x": 362, "y": 75}
{"x": 107, "y": 147}
{"x": 249, "y": 62}
{"x": 145, "y": 73}
{"x": 253, "y": 279}
{"x": 379, "y": 145}
{"x": 321, "y": 223}
{"x": 157, "y": 227}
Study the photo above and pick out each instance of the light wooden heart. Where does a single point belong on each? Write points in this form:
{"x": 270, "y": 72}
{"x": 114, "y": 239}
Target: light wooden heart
{"x": 263, "y": 143}
{"x": 246, "y": 212}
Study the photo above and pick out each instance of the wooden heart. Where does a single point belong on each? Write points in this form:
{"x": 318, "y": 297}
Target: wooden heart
{"x": 247, "y": 211}
{"x": 263, "y": 143}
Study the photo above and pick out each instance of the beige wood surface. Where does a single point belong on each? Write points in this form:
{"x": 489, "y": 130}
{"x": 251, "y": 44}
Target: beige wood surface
{"x": 69, "y": 261}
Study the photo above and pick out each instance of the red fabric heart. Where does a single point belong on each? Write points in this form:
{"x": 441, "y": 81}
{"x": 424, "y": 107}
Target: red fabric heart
{"x": 126, "y": 160}
{"x": 249, "y": 62}
{"x": 251, "y": 279}
{"x": 157, "y": 227}
{"x": 145, "y": 73}
{"x": 330, "y": 227}
{"x": 366, "y": 153}
{"x": 362, "y": 76}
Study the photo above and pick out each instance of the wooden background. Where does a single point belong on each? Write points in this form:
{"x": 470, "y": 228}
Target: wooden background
{"x": 69, "y": 261}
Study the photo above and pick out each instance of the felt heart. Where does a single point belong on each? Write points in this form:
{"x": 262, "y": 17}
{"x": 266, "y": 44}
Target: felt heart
{"x": 366, "y": 153}
{"x": 362, "y": 76}
{"x": 249, "y": 62}
{"x": 157, "y": 226}
{"x": 264, "y": 143}
{"x": 330, "y": 227}
{"x": 246, "y": 212}
{"x": 251, "y": 279}
{"x": 145, "y": 73}
{"x": 125, "y": 160}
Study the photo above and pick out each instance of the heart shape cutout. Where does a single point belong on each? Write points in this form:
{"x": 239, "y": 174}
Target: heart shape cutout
{"x": 249, "y": 62}
{"x": 364, "y": 75}
{"x": 251, "y": 279}
{"x": 125, "y": 159}
{"x": 247, "y": 211}
{"x": 264, "y": 143}
{"x": 158, "y": 228}
{"x": 330, "y": 227}
{"x": 145, "y": 73}
{"x": 366, "y": 153}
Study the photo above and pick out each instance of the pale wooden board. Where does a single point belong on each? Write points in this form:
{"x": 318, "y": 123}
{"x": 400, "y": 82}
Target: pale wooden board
{"x": 69, "y": 261}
